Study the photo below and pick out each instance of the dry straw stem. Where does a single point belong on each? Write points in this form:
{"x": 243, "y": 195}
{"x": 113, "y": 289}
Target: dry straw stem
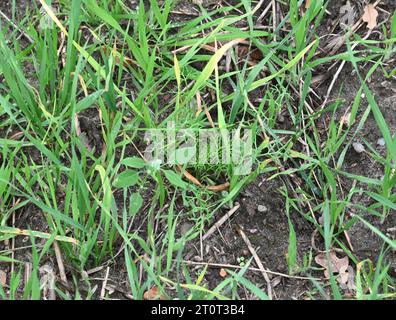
{"x": 257, "y": 260}
{"x": 219, "y": 223}
{"x": 37, "y": 234}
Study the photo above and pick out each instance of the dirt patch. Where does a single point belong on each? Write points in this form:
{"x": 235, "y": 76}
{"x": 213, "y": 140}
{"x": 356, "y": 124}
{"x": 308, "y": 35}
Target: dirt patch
{"x": 262, "y": 214}
{"x": 22, "y": 6}
{"x": 366, "y": 244}
{"x": 263, "y": 218}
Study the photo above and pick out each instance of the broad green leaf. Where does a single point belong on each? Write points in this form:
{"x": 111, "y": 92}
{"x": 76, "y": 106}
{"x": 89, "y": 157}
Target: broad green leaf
{"x": 88, "y": 101}
{"x": 175, "y": 179}
{"x": 135, "y": 203}
{"x": 126, "y": 179}
{"x": 134, "y": 162}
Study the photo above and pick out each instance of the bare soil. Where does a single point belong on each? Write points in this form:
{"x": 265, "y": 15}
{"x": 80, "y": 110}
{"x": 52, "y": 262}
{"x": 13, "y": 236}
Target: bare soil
{"x": 268, "y": 230}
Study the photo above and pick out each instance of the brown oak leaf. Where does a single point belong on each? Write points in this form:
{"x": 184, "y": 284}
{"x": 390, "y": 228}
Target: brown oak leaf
{"x": 153, "y": 294}
{"x": 370, "y": 16}
{"x": 337, "y": 264}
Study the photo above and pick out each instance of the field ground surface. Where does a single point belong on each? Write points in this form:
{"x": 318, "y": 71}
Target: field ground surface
{"x": 85, "y": 215}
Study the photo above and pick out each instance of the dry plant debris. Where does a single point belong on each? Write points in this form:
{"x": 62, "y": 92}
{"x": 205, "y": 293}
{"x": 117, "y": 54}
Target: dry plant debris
{"x": 370, "y": 16}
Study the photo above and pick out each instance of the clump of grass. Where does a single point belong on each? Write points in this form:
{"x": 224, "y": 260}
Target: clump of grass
{"x": 105, "y": 202}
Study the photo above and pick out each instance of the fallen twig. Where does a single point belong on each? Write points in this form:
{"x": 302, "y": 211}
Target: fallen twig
{"x": 221, "y": 222}
{"x": 61, "y": 266}
{"x": 103, "y": 291}
{"x": 257, "y": 260}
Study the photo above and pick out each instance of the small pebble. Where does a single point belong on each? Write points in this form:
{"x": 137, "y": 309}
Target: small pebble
{"x": 185, "y": 227}
{"x": 262, "y": 208}
{"x": 359, "y": 148}
{"x": 381, "y": 142}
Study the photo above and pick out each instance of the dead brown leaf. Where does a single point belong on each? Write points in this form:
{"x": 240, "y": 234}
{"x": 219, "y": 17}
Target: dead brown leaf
{"x": 223, "y": 273}
{"x": 127, "y": 62}
{"x": 336, "y": 263}
{"x": 190, "y": 177}
{"x": 346, "y": 120}
{"x": 199, "y": 104}
{"x": 153, "y": 294}
{"x": 370, "y": 16}
{"x": 276, "y": 281}
{"x": 3, "y": 278}
{"x": 195, "y": 181}
{"x": 347, "y": 279}
{"x": 343, "y": 279}
{"x": 252, "y": 55}
{"x": 220, "y": 187}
